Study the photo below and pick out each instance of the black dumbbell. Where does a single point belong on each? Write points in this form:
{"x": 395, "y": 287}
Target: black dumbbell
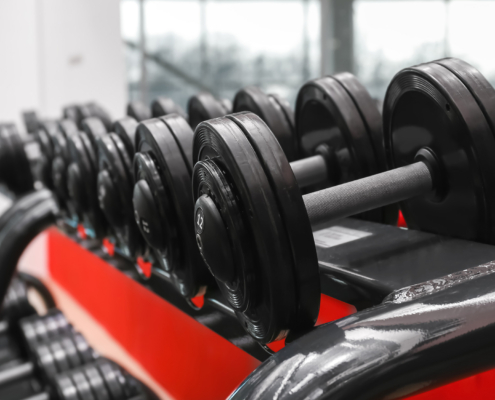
{"x": 79, "y": 112}
{"x": 328, "y": 110}
{"x": 204, "y": 106}
{"x": 115, "y": 177}
{"x": 82, "y": 175}
{"x": 159, "y": 107}
{"x": 50, "y": 346}
{"x": 254, "y": 228}
{"x": 115, "y": 184}
{"x": 102, "y": 380}
{"x": 160, "y": 204}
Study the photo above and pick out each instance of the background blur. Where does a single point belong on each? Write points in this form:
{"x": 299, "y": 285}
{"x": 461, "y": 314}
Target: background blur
{"x": 54, "y": 52}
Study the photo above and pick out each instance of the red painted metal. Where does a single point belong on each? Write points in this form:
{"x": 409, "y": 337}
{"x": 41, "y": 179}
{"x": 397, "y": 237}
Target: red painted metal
{"x": 186, "y": 358}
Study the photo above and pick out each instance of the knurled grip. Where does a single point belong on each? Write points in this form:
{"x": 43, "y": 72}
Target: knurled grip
{"x": 368, "y": 193}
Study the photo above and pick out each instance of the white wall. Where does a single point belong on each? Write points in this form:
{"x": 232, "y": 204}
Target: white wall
{"x": 55, "y": 52}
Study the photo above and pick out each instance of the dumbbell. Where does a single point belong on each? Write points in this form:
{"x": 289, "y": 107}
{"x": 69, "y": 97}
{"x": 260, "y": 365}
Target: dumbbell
{"x": 102, "y": 380}
{"x": 254, "y": 228}
{"x": 83, "y": 171}
{"x": 159, "y": 107}
{"x": 51, "y": 346}
{"x": 115, "y": 177}
{"x": 79, "y": 112}
{"x": 163, "y": 151}
{"x": 204, "y": 106}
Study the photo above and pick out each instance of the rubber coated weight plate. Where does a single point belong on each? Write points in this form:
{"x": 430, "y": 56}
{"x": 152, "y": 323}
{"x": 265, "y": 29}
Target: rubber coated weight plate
{"x": 99, "y": 112}
{"x": 293, "y": 212}
{"x": 59, "y": 356}
{"x": 372, "y": 120}
{"x": 71, "y": 352}
{"x": 94, "y": 129}
{"x": 96, "y": 382}
{"x": 81, "y": 383}
{"x": 169, "y": 177}
{"x": 325, "y": 114}
{"x": 82, "y": 184}
{"x": 429, "y": 106}
{"x": 115, "y": 193}
{"x": 268, "y": 109}
{"x": 266, "y": 282}
{"x": 125, "y": 128}
{"x": 86, "y": 353}
{"x": 65, "y": 388}
{"x": 204, "y": 106}
{"x": 46, "y": 361}
{"x": 14, "y": 164}
{"x": 138, "y": 111}
{"x": 162, "y": 106}
{"x": 111, "y": 379}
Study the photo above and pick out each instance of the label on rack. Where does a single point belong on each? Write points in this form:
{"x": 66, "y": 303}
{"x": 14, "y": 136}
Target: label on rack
{"x": 336, "y": 235}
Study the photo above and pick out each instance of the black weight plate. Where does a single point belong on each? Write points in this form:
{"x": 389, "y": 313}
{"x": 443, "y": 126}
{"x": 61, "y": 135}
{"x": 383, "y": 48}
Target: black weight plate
{"x": 98, "y": 111}
{"x": 162, "y": 106}
{"x": 59, "y": 355}
{"x": 110, "y": 160}
{"x": 15, "y": 166}
{"x": 429, "y": 106}
{"x": 83, "y": 387}
{"x": 294, "y": 216}
{"x": 63, "y": 325}
{"x": 180, "y": 254}
{"x": 254, "y": 100}
{"x": 65, "y": 388}
{"x": 204, "y": 106}
{"x": 138, "y": 111}
{"x": 325, "y": 114}
{"x": 45, "y": 361}
{"x": 271, "y": 311}
{"x": 110, "y": 378}
{"x": 94, "y": 129}
{"x": 71, "y": 352}
{"x": 41, "y": 331}
{"x": 372, "y": 120}
{"x": 125, "y": 128}
{"x": 84, "y": 350}
{"x": 96, "y": 382}
{"x": 287, "y": 111}
{"x": 83, "y": 154}
{"x": 124, "y": 156}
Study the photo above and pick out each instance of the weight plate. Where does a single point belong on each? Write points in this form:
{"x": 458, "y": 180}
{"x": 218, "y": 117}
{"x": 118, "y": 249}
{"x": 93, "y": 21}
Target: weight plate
{"x": 84, "y": 350}
{"x": 82, "y": 184}
{"x": 162, "y": 106}
{"x": 372, "y": 120}
{"x": 125, "y": 128}
{"x": 204, "y": 106}
{"x": 14, "y": 163}
{"x": 138, "y": 111}
{"x": 115, "y": 193}
{"x": 162, "y": 164}
{"x": 94, "y": 129}
{"x": 65, "y": 388}
{"x": 81, "y": 383}
{"x": 99, "y": 112}
{"x": 428, "y": 105}
{"x": 58, "y": 352}
{"x": 262, "y": 275}
{"x": 45, "y": 361}
{"x": 96, "y": 382}
{"x": 325, "y": 114}
{"x": 41, "y": 331}
{"x": 110, "y": 378}
{"x": 293, "y": 213}
{"x": 71, "y": 352}
{"x": 254, "y": 100}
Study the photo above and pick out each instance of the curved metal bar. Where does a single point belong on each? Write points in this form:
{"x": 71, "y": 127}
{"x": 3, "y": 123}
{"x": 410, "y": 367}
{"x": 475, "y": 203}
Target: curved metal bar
{"x": 19, "y": 225}
{"x": 422, "y": 337}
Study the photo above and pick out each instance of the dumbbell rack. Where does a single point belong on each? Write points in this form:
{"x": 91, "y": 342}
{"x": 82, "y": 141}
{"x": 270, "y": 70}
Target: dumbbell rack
{"x": 176, "y": 343}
